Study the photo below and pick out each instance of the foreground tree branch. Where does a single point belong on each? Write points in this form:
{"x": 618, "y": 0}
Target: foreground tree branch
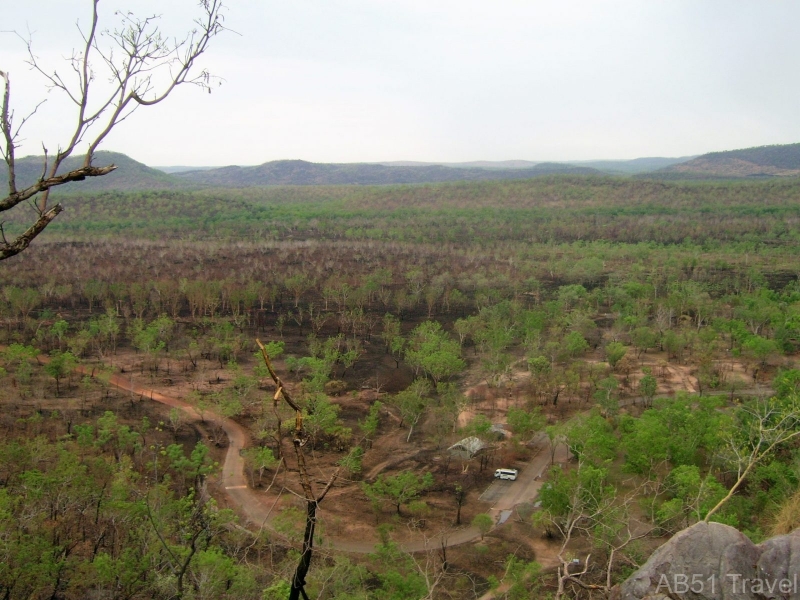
{"x": 299, "y": 440}
{"x": 762, "y": 427}
{"x": 144, "y": 68}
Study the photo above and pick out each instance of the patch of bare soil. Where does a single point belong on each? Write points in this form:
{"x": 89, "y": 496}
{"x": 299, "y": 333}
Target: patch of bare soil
{"x": 513, "y": 389}
{"x": 674, "y": 377}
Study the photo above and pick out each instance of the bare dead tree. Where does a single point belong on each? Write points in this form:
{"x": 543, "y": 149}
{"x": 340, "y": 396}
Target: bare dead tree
{"x": 432, "y": 565}
{"x": 299, "y": 439}
{"x": 143, "y": 68}
{"x": 604, "y": 516}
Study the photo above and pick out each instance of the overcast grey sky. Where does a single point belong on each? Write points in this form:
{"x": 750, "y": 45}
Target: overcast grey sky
{"x": 449, "y": 80}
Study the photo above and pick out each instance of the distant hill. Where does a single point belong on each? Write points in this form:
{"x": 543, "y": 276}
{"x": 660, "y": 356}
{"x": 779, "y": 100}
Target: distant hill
{"x": 633, "y": 166}
{"x": 133, "y": 175}
{"x": 613, "y": 167}
{"x": 765, "y": 161}
{"x": 478, "y": 164}
{"x": 129, "y": 175}
{"x": 300, "y": 172}
{"x": 762, "y": 161}
{"x": 181, "y": 168}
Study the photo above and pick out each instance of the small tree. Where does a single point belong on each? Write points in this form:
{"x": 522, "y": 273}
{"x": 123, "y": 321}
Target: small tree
{"x": 483, "y": 523}
{"x": 480, "y": 426}
{"x": 555, "y": 436}
{"x": 431, "y": 350}
{"x": 398, "y": 489}
{"x": 59, "y": 366}
{"x": 411, "y": 403}
{"x": 614, "y": 353}
{"x": 17, "y": 358}
{"x": 574, "y": 344}
{"x": 643, "y": 338}
{"x": 453, "y": 401}
{"x": 260, "y": 459}
{"x": 606, "y": 396}
{"x": 524, "y": 423}
{"x": 369, "y": 426}
{"x": 176, "y": 420}
{"x": 647, "y": 388}
{"x": 760, "y": 349}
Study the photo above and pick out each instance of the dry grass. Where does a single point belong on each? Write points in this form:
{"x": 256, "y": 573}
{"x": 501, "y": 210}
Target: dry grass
{"x": 787, "y": 518}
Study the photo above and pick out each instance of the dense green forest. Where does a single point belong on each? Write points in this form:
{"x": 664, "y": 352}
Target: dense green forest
{"x": 637, "y": 338}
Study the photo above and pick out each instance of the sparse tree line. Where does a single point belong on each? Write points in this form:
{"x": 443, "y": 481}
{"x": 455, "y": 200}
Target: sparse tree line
{"x": 549, "y": 332}
{"x": 659, "y": 306}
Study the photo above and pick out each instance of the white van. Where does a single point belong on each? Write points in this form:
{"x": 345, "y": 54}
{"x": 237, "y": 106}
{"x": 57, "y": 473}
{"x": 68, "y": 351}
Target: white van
{"x": 510, "y": 474}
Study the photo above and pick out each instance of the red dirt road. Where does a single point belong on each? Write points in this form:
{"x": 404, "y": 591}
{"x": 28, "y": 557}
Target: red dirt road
{"x": 256, "y": 509}
{"x": 252, "y": 506}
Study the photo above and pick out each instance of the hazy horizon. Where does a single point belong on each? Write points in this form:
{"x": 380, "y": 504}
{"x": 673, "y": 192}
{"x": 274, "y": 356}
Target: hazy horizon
{"x": 355, "y": 81}
{"x": 425, "y": 162}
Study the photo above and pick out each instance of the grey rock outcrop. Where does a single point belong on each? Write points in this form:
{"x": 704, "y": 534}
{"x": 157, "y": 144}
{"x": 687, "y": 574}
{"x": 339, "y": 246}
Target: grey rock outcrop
{"x": 717, "y": 562}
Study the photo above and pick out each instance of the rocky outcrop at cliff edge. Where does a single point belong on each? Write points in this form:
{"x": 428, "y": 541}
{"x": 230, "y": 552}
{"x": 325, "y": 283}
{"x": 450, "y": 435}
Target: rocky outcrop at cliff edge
{"x": 717, "y": 562}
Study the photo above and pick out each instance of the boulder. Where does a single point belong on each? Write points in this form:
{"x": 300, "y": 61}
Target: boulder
{"x": 717, "y": 562}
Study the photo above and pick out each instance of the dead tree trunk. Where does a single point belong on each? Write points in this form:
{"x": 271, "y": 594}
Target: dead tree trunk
{"x": 299, "y": 440}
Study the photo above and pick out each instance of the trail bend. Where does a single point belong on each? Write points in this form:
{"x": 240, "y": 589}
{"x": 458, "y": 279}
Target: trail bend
{"x": 252, "y": 506}
{"x": 256, "y": 508}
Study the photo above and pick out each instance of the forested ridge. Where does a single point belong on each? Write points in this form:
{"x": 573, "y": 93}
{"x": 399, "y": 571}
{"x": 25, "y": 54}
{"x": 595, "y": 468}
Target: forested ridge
{"x": 647, "y": 330}
{"x": 762, "y": 161}
{"x": 786, "y": 156}
{"x": 129, "y": 175}
{"x": 300, "y": 172}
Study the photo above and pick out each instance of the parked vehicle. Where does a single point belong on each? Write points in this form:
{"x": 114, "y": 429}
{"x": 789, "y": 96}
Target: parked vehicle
{"x": 510, "y": 474}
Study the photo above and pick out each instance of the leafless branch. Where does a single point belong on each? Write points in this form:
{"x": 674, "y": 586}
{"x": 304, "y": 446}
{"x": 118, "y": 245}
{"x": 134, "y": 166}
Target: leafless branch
{"x": 770, "y": 424}
{"x": 143, "y": 69}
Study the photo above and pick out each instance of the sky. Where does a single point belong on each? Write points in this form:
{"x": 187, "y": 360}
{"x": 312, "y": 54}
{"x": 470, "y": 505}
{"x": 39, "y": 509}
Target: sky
{"x": 437, "y": 80}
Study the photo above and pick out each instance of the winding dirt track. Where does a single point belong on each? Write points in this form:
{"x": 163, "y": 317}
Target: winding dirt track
{"x": 252, "y": 506}
{"x": 256, "y": 508}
